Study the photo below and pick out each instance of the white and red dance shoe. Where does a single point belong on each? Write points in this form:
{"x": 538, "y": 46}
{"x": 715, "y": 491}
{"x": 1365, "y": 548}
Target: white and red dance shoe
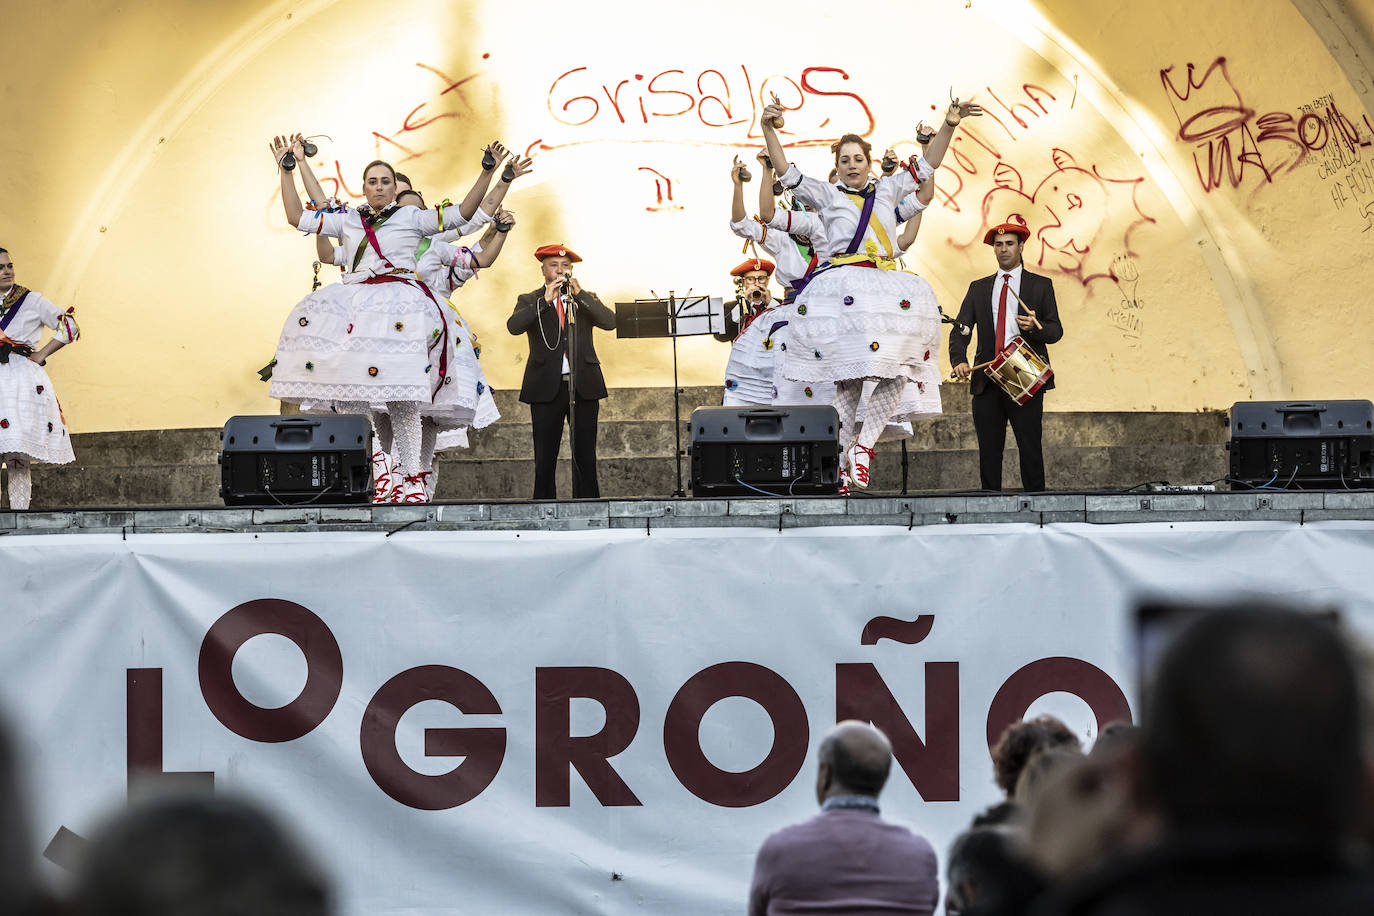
{"x": 860, "y": 458}
{"x": 412, "y": 489}
{"x": 383, "y": 477}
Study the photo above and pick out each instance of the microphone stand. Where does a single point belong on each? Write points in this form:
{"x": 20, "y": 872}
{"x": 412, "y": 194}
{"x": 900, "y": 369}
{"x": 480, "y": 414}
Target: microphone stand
{"x": 570, "y": 310}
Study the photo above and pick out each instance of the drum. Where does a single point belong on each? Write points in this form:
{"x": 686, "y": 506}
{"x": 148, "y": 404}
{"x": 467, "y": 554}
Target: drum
{"x": 1019, "y": 371}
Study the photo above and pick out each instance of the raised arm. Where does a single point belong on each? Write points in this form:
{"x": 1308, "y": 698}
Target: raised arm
{"x": 312, "y": 184}
{"x": 494, "y": 238}
{"x": 290, "y": 197}
{"x": 737, "y": 211}
{"x": 515, "y": 168}
{"x": 770, "y": 137}
{"x": 912, "y": 223}
{"x": 768, "y": 204}
{"x": 493, "y": 154}
{"x": 939, "y": 144}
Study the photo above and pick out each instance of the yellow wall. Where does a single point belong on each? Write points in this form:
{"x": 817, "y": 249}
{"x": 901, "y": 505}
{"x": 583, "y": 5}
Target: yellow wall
{"x": 141, "y": 190}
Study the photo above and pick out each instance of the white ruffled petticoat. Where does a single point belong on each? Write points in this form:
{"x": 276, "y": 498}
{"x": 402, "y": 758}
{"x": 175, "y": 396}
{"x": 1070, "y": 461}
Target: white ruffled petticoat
{"x": 374, "y": 343}
{"x": 485, "y": 412}
{"x": 31, "y": 424}
{"x": 754, "y": 376}
{"x": 861, "y": 322}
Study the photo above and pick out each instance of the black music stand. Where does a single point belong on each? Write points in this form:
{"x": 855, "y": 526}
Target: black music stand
{"x": 690, "y": 316}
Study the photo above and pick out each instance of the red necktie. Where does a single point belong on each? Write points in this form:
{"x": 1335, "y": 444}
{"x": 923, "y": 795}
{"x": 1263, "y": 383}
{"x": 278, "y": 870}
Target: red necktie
{"x": 562, "y": 318}
{"x": 1002, "y": 314}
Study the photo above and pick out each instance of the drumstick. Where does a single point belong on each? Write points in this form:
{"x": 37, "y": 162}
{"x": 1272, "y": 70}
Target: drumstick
{"x": 979, "y": 366}
{"x": 1022, "y": 302}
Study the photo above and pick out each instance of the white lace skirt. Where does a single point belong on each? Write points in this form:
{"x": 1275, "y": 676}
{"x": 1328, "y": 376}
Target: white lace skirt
{"x": 485, "y": 412}
{"x": 860, "y": 322}
{"x": 373, "y": 343}
{"x": 754, "y": 378}
{"x": 31, "y": 423}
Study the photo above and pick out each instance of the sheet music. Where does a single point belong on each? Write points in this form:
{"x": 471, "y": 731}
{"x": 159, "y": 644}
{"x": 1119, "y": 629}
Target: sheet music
{"x": 700, "y": 315}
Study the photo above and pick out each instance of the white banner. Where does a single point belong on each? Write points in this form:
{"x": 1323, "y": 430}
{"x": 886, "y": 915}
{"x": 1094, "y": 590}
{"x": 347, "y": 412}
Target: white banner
{"x": 588, "y": 722}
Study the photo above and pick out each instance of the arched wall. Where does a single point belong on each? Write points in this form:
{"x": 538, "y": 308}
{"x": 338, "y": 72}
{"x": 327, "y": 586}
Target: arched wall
{"x": 1199, "y": 177}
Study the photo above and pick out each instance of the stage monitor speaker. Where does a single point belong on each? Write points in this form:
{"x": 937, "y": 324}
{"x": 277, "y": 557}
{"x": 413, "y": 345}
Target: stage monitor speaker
{"x": 1302, "y": 446}
{"x": 781, "y": 451}
{"x": 323, "y": 459}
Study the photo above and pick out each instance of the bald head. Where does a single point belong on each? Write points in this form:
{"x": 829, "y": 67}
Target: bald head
{"x": 855, "y": 759}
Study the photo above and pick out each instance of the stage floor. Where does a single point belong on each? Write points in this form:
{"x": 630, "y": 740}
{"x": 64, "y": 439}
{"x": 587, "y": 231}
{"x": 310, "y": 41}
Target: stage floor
{"x": 781, "y": 513}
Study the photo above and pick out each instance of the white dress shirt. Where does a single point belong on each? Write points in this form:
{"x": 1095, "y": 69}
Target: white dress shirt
{"x": 1013, "y": 308}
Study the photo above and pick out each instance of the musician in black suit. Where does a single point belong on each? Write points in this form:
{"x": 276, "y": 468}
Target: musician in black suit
{"x": 542, "y": 315}
{"x": 1037, "y": 323}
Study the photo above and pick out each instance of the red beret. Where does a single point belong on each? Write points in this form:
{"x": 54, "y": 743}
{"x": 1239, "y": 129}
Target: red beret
{"x": 753, "y": 264}
{"x": 556, "y": 251}
{"x": 1017, "y": 228}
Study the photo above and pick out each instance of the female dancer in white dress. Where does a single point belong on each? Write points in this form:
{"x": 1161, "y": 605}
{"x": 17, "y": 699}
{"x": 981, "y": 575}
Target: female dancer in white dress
{"x": 857, "y": 316}
{"x": 443, "y": 268}
{"x": 381, "y": 335}
{"x": 31, "y": 424}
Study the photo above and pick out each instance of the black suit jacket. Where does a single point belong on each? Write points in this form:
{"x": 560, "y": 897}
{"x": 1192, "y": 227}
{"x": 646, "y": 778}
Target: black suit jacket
{"x": 977, "y": 312}
{"x": 538, "y": 320}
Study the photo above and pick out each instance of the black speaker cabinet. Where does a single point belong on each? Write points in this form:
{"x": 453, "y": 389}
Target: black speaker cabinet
{"x": 1302, "y": 446}
{"x": 782, "y": 451}
{"x": 324, "y": 459}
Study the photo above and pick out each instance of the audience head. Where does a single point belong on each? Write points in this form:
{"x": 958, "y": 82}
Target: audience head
{"x": 19, "y": 890}
{"x": 196, "y": 855}
{"x": 1253, "y": 721}
{"x": 1115, "y": 735}
{"x": 987, "y": 873}
{"x": 1038, "y": 769}
{"x": 1023, "y": 740}
{"x": 854, "y": 759}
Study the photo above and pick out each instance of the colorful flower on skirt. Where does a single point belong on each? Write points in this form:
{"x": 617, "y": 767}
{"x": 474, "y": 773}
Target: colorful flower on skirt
{"x": 433, "y": 334}
{"x": 372, "y": 371}
{"x": 927, "y": 356}
{"x": 921, "y": 387}
{"x": 50, "y": 426}
{"x": 806, "y": 391}
{"x": 4, "y": 424}
{"x": 731, "y": 384}
{"x": 350, "y": 328}
{"x": 304, "y": 321}
{"x": 848, "y": 300}
{"x": 429, "y": 367}
{"x": 40, "y": 389}
{"x": 801, "y": 310}
{"x": 873, "y": 346}
{"x": 477, "y": 350}
{"x": 400, "y": 326}
{"x": 309, "y": 367}
{"x": 768, "y": 343}
{"x": 783, "y": 346}
{"x": 905, "y": 304}
{"x": 481, "y": 387}
{"x": 775, "y": 391}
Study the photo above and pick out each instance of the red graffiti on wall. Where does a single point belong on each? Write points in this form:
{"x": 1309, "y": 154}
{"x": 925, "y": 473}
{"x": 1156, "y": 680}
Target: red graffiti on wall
{"x": 1081, "y": 214}
{"x": 663, "y": 191}
{"x": 643, "y": 108}
{"x": 1232, "y": 140}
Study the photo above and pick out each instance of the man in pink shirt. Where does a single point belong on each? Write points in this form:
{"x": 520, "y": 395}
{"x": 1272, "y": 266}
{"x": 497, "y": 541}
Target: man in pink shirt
{"x": 847, "y": 859}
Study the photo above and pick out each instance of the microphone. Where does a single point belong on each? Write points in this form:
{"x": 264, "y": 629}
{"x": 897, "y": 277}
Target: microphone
{"x": 963, "y": 329}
